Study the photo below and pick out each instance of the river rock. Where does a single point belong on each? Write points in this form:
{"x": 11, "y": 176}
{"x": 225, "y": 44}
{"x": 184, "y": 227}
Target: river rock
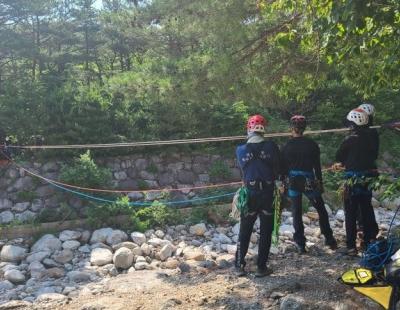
{"x": 6, "y": 285}
{"x": 340, "y": 215}
{"x": 78, "y": 276}
{"x": 54, "y": 273}
{"x": 101, "y": 257}
{"x": 36, "y": 269}
{"x": 198, "y": 229}
{"x": 14, "y": 276}
{"x": 47, "y": 242}
{"x": 191, "y": 254}
{"x": 116, "y": 236}
{"x": 100, "y": 235}
{"x": 63, "y": 256}
{"x": 138, "y": 238}
{"x": 70, "y": 235}
{"x": 71, "y": 245}
{"x": 123, "y": 258}
{"x": 38, "y": 256}
{"x": 12, "y": 253}
{"x": 166, "y": 251}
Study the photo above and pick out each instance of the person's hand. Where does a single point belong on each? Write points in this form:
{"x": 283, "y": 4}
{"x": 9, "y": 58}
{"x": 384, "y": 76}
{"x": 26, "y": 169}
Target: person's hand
{"x": 337, "y": 167}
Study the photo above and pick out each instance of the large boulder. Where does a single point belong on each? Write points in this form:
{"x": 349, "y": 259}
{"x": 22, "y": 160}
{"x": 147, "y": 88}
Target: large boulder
{"x": 123, "y": 258}
{"x": 12, "y": 253}
{"x": 117, "y": 236}
{"x": 47, "y": 243}
{"x": 100, "y": 235}
{"x": 138, "y": 238}
{"x": 101, "y": 257}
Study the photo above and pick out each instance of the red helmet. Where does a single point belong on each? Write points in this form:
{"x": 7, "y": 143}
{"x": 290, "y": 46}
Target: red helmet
{"x": 256, "y": 123}
{"x": 298, "y": 121}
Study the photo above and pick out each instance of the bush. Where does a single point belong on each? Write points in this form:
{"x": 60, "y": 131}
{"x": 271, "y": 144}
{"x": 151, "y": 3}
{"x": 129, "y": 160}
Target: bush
{"x": 99, "y": 215}
{"x": 156, "y": 215}
{"x": 85, "y": 172}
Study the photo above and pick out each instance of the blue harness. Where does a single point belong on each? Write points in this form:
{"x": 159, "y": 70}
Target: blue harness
{"x": 309, "y": 176}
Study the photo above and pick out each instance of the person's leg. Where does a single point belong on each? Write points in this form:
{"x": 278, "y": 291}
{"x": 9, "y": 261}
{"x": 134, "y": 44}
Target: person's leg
{"x": 266, "y": 228}
{"x": 246, "y": 228}
{"x": 319, "y": 204}
{"x": 297, "y": 213}
{"x": 350, "y": 209}
{"x": 370, "y": 227}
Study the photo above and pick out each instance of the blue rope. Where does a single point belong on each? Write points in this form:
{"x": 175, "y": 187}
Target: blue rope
{"x": 141, "y": 204}
{"x": 373, "y": 257}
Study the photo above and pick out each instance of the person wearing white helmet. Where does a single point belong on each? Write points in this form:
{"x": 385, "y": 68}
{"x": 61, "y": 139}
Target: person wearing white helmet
{"x": 356, "y": 155}
{"x": 374, "y": 140}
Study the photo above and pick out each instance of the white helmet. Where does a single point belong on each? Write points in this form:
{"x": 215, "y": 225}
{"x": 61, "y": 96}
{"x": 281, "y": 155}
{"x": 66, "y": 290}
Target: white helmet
{"x": 358, "y": 116}
{"x": 367, "y": 108}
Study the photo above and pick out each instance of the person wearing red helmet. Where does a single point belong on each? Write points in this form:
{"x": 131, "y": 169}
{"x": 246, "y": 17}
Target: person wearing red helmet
{"x": 357, "y": 155}
{"x": 302, "y": 162}
{"x": 260, "y": 164}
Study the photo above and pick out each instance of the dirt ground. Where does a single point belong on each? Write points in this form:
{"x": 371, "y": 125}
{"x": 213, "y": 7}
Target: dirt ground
{"x": 310, "y": 279}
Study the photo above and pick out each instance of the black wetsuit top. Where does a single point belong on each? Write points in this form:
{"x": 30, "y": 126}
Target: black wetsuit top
{"x": 302, "y": 153}
{"x": 358, "y": 152}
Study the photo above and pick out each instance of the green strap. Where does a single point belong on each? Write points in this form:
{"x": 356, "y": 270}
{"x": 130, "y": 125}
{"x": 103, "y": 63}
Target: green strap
{"x": 243, "y": 200}
{"x": 277, "y": 204}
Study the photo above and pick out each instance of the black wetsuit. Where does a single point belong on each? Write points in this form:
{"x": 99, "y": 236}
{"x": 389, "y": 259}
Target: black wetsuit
{"x": 358, "y": 154}
{"x": 302, "y": 162}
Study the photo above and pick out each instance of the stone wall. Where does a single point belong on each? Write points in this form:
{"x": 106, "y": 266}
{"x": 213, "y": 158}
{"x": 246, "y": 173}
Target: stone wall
{"x": 23, "y": 197}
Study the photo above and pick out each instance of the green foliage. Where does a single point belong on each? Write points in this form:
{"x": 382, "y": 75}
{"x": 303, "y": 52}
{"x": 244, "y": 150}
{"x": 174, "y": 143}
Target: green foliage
{"x": 85, "y": 172}
{"x": 100, "y": 215}
{"x": 157, "y": 215}
{"x": 26, "y": 196}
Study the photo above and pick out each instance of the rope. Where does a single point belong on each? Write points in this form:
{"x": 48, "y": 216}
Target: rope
{"x": 172, "y": 142}
{"x": 142, "y": 204}
{"x": 61, "y": 184}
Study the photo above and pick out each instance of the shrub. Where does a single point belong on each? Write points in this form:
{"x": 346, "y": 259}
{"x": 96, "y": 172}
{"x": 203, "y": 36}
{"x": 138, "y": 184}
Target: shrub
{"x": 156, "y": 215}
{"x": 85, "y": 172}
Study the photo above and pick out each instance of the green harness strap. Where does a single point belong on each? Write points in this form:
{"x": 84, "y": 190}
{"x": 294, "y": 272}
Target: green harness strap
{"x": 277, "y": 205}
{"x": 243, "y": 200}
